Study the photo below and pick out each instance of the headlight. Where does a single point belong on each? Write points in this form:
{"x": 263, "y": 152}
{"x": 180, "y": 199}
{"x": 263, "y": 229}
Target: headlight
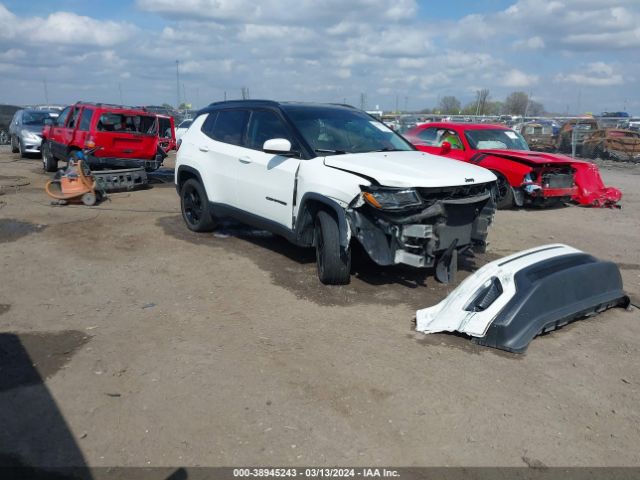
{"x": 391, "y": 198}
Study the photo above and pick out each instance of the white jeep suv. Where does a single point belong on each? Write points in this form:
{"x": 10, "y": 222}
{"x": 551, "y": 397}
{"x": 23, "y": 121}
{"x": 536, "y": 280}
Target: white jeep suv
{"x": 325, "y": 176}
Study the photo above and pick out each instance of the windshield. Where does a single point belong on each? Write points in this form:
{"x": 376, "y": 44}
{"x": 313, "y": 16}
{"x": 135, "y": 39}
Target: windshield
{"x": 185, "y": 124}
{"x": 333, "y": 130}
{"x": 120, "y": 122}
{"x": 496, "y": 139}
{"x": 35, "y": 118}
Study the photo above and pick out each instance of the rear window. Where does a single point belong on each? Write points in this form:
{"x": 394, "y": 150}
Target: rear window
{"x": 120, "y": 122}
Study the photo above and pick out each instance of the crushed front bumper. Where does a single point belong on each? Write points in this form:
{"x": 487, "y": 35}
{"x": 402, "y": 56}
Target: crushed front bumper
{"x": 421, "y": 238}
{"x": 510, "y": 301}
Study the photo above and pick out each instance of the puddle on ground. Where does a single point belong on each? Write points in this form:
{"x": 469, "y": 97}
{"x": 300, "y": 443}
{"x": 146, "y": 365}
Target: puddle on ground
{"x": 294, "y": 268}
{"x": 4, "y": 308}
{"x": 11, "y": 230}
{"x": 29, "y": 358}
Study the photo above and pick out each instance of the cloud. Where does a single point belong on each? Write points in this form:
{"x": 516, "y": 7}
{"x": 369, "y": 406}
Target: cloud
{"x": 531, "y": 43}
{"x": 518, "y": 79}
{"x": 63, "y": 28}
{"x": 597, "y": 74}
{"x": 323, "y": 50}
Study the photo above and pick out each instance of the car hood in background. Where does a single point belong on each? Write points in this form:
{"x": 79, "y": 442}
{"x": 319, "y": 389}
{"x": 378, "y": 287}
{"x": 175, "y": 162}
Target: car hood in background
{"x": 410, "y": 169}
{"x": 530, "y": 157}
{"x": 37, "y": 129}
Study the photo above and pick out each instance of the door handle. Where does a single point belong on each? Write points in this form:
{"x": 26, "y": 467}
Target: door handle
{"x": 244, "y": 160}
{"x": 203, "y": 148}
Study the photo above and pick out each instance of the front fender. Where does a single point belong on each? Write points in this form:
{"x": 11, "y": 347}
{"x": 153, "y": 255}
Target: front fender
{"x": 513, "y": 171}
{"x": 310, "y": 203}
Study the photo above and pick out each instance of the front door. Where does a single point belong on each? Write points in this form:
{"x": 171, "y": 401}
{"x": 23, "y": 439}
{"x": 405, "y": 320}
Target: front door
{"x": 266, "y": 181}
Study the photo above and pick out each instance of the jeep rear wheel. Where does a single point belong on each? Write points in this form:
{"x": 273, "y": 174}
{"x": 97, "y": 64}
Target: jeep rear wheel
{"x": 49, "y": 162}
{"x": 334, "y": 262}
{"x": 195, "y": 207}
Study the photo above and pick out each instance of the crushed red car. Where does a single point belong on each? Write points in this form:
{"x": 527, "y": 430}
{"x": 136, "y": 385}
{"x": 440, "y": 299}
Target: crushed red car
{"x": 123, "y": 137}
{"x": 525, "y": 177}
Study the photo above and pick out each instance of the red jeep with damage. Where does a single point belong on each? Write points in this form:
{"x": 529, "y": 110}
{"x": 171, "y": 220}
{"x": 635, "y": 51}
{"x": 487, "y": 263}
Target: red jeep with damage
{"x": 125, "y": 137}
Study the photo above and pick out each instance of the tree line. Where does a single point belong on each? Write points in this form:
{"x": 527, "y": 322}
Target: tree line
{"x": 516, "y": 103}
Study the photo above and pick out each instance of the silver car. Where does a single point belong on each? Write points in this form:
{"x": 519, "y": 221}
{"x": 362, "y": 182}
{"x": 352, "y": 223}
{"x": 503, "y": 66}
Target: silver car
{"x": 25, "y": 131}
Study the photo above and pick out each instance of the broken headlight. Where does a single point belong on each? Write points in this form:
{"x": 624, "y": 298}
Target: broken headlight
{"x": 386, "y": 198}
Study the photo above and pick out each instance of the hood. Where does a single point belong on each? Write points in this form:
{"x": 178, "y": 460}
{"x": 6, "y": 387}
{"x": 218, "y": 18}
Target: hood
{"x": 532, "y": 158}
{"x": 37, "y": 129}
{"x": 410, "y": 169}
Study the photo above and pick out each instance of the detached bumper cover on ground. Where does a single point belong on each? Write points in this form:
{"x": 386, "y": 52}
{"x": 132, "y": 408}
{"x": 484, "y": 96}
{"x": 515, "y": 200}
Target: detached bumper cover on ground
{"x": 508, "y": 302}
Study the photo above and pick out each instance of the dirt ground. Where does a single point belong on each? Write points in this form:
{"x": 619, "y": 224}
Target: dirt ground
{"x": 137, "y": 342}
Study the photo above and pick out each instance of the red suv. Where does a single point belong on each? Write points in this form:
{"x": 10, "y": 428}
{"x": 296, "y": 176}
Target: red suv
{"x": 125, "y": 137}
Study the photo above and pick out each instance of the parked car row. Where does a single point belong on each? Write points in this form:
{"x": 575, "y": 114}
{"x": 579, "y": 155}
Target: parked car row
{"x": 118, "y": 136}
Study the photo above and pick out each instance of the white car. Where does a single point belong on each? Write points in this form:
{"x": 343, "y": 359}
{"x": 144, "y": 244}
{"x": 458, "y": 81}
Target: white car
{"x": 325, "y": 176}
{"x": 182, "y": 128}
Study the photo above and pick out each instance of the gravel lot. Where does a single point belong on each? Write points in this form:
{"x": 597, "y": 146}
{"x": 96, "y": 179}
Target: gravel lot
{"x": 142, "y": 343}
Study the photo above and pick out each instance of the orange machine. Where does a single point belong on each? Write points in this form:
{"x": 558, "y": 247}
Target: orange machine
{"x": 73, "y": 185}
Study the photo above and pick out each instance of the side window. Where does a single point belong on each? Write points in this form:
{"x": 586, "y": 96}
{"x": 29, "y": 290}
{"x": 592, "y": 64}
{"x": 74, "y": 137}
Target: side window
{"x": 62, "y": 118}
{"x": 85, "y": 119}
{"x": 230, "y": 125}
{"x": 265, "y": 125}
{"x": 74, "y": 117}
{"x": 451, "y": 137}
{"x": 208, "y": 124}
{"x": 428, "y": 136}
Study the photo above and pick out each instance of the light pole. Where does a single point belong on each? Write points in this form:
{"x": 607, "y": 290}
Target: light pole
{"x": 178, "y": 83}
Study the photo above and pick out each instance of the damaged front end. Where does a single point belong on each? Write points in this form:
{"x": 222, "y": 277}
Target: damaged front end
{"x": 510, "y": 301}
{"x": 547, "y": 184}
{"x": 423, "y": 227}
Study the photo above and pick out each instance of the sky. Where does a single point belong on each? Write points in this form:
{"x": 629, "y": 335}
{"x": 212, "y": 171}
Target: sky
{"x": 573, "y": 56}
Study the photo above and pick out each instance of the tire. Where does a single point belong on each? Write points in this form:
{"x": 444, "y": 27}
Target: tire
{"x": 49, "y": 162}
{"x": 334, "y": 263}
{"x": 504, "y": 200}
{"x": 4, "y": 137}
{"x": 21, "y": 149}
{"x": 14, "y": 146}
{"x": 195, "y": 207}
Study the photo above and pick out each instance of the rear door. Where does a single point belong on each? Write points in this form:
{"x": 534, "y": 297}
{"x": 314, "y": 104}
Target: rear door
{"x": 266, "y": 181}
{"x": 218, "y": 147}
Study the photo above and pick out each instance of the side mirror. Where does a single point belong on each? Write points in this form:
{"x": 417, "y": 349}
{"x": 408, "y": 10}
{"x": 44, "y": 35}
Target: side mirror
{"x": 48, "y": 121}
{"x": 277, "y": 146}
{"x": 445, "y": 148}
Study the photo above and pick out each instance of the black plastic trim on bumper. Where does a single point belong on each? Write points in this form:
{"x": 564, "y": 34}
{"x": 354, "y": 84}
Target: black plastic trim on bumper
{"x": 124, "y": 162}
{"x": 551, "y": 294}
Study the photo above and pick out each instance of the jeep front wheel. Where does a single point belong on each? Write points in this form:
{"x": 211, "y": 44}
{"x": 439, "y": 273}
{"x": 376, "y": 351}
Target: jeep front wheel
{"x": 334, "y": 262}
{"x": 195, "y": 207}
{"x": 49, "y": 162}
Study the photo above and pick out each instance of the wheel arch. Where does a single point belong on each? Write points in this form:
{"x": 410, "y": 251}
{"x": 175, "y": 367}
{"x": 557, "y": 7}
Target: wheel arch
{"x": 310, "y": 204}
{"x": 184, "y": 173}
